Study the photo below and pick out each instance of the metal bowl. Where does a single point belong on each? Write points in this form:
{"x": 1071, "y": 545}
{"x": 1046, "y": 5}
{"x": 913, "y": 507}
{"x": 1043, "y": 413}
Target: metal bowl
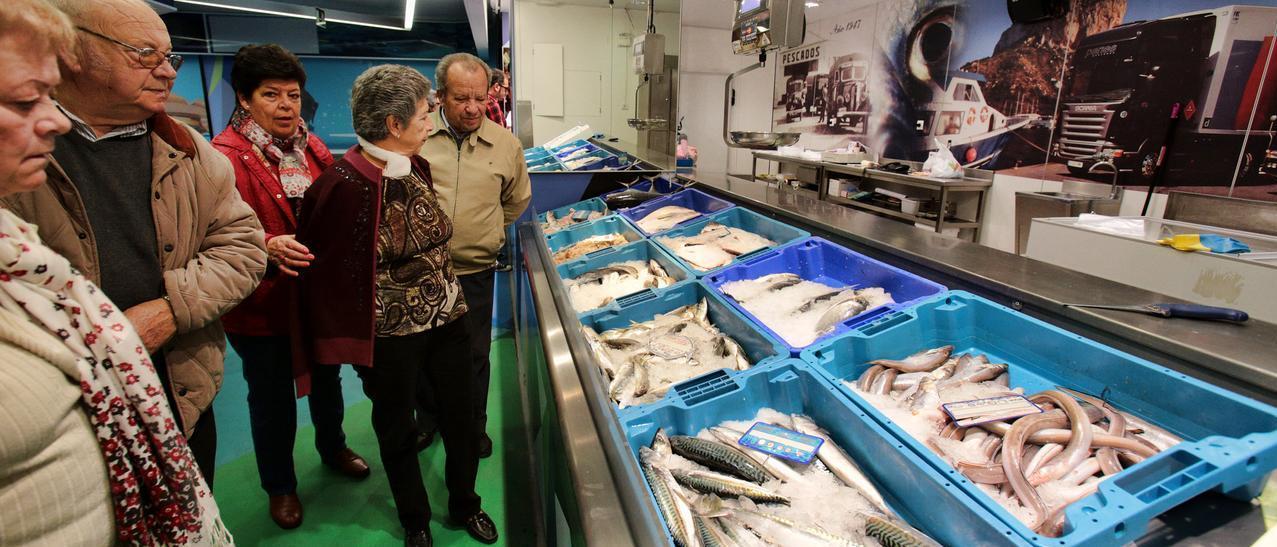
{"x": 763, "y": 141}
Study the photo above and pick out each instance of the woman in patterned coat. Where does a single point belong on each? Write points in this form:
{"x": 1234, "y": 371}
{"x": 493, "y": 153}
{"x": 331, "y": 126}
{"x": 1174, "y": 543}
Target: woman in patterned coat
{"x": 381, "y": 294}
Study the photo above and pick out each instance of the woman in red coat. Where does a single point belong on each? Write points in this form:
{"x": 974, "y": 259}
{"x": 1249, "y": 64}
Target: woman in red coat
{"x": 276, "y": 158}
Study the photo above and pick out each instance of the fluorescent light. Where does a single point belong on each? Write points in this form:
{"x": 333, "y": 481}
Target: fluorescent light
{"x": 813, "y": 4}
{"x": 409, "y": 12}
{"x": 245, "y": 8}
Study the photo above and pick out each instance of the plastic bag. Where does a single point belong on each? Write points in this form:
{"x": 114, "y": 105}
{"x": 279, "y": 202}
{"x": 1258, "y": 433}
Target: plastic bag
{"x": 941, "y": 164}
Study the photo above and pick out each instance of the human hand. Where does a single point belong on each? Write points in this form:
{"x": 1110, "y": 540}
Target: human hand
{"x": 287, "y": 253}
{"x": 153, "y": 320}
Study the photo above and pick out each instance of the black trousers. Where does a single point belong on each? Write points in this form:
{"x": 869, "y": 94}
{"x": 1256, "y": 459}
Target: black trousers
{"x": 203, "y": 440}
{"x": 478, "y": 292}
{"x": 437, "y": 356}
{"x": 272, "y": 408}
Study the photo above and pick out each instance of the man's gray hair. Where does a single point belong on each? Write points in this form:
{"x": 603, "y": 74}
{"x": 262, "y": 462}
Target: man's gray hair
{"x": 475, "y": 64}
{"x": 385, "y": 91}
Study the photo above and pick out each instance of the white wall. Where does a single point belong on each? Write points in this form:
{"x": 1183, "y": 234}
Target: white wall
{"x": 704, "y": 64}
{"x": 597, "y": 63}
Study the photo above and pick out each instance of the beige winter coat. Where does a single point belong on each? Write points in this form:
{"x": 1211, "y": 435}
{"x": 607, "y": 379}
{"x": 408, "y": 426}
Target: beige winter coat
{"x": 210, "y": 244}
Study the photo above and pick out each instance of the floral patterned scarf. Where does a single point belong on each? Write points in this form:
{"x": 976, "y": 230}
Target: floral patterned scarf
{"x": 289, "y": 154}
{"x": 160, "y": 497}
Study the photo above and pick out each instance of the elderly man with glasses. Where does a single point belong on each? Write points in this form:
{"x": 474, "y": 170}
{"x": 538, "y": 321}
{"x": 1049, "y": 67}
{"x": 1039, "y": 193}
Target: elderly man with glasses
{"x": 146, "y": 208}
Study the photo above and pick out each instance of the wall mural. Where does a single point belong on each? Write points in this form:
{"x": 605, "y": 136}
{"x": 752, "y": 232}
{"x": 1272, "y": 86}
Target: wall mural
{"x": 1065, "y": 99}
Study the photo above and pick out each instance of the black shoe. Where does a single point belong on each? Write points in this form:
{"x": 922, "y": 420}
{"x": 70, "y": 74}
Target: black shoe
{"x": 485, "y": 446}
{"x": 480, "y": 527}
{"x": 424, "y": 439}
{"x": 418, "y": 539}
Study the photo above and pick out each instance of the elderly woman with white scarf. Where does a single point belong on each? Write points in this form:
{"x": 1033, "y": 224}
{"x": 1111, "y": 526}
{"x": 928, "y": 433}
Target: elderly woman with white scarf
{"x": 381, "y": 294}
{"x": 89, "y": 450}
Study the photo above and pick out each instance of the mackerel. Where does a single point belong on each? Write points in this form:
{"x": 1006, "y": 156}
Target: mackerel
{"x": 720, "y": 457}
{"x": 892, "y": 533}
{"x": 678, "y": 517}
{"x": 723, "y": 485}
{"x": 774, "y": 466}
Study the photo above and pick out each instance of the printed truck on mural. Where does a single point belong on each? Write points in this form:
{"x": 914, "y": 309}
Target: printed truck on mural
{"x": 1123, "y": 85}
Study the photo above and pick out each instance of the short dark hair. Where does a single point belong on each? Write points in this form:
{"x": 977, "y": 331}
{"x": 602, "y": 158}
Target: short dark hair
{"x": 257, "y": 63}
{"x": 497, "y": 77}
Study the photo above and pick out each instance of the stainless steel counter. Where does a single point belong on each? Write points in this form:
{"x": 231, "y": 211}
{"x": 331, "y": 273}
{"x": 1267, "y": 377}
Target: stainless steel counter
{"x": 1238, "y": 357}
{"x": 597, "y": 488}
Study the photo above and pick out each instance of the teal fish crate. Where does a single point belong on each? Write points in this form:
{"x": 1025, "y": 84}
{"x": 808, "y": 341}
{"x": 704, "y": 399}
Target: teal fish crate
{"x": 759, "y": 347}
{"x": 614, "y": 224}
{"x": 736, "y": 217}
{"x": 822, "y": 261}
{"x": 643, "y": 250}
{"x": 1229, "y": 441}
{"x": 695, "y": 200}
{"x": 589, "y": 206}
{"x": 924, "y": 497}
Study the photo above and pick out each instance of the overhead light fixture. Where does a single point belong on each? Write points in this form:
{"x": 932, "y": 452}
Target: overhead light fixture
{"x": 280, "y": 9}
{"x": 813, "y": 4}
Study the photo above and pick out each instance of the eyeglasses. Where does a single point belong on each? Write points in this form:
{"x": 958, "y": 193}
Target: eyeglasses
{"x": 149, "y": 57}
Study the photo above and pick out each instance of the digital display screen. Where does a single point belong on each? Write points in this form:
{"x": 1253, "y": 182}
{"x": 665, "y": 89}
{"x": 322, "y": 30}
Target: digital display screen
{"x": 747, "y": 6}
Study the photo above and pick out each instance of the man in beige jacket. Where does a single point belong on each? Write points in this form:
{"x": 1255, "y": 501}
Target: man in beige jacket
{"x": 146, "y": 208}
{"x": 482, "y": 181}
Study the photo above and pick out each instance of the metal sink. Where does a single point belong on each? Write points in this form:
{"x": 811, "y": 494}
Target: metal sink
{"x": 1031, "y": 205}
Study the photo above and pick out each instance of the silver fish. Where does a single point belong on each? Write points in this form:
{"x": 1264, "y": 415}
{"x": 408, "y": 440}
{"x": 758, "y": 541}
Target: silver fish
{"x": 837, "y": 312}
{"x": 710, "y": 534}
{"x": 723, "y": 485}
{"x": 720, "y": 457}
{"x": 809, "y": 530}
{"x": 598, "y": 275}
{"x": 818, "y": 299}
{"x": 840, "y": 464}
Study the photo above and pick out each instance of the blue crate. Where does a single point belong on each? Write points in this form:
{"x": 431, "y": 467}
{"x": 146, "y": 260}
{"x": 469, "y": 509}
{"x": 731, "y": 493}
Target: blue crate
{"x": 736, "y": 217}
{"x": 1230, "y": 441}
{"x": 695, "y": 200}
{"x": 592, "y": 204}
{"x": 759, "y": 347}
{"x": 602, "y": 160}
{"x": 569, "y": 146}
{"x": 614, "y": 224}
{"x": 639, "y": 250}
{"x": 547, "y": 163}
{"x": 924, "y": 497}
{"x": 535, "y": 153}
{"x": 563, "y": 153}
{"x": 819, "y": 260}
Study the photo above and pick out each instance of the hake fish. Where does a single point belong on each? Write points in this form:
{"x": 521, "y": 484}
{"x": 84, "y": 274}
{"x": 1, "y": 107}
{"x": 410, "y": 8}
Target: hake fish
{"x": 601, "y": 286}
{"x": 841, "y": 465}
{"x": 665, "y": 218}
{"x": 554, "y": 223}
{"x": 587, "y": 246}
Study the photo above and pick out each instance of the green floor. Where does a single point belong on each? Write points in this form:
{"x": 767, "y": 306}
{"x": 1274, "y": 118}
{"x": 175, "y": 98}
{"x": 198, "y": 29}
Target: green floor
{"x": 340, "y": 511}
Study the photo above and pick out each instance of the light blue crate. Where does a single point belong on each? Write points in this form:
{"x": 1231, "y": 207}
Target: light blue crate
{"x": 614, "y": 224}
{"x": 589, "y": 205}
{"x": 924, "y": 497}
{"x": 643, "y": 250}
{"x": 735, "y": 217}
{"x": 1230, "y": 441}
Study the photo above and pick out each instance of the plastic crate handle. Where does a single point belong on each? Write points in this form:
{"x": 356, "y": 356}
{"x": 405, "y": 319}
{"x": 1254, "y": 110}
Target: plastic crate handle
{"x": 601, "y": 252}
{"x": 707, "y": 387}
{"x": 756, "y": 258}
{"x": 750, "y": 255}
{"x": 636, "y": 298}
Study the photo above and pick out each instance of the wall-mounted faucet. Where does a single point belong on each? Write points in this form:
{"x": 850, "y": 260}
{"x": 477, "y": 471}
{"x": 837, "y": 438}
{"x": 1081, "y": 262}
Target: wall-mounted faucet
{"x": 1114, "y": 192}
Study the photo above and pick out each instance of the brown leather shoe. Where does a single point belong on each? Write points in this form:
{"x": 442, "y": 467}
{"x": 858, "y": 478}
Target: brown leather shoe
{"x": 348, "y": 463}
{"x": 286, "y": 511}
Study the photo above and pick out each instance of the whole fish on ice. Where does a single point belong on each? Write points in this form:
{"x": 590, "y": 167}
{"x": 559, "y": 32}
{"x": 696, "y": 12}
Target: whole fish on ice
{"x": 596, "y": 288}
{"x": 716, "y": 245}
{"x": 554, "y": 223}
{"x": 587, "y": 246}
{"x": 802, "y": 311}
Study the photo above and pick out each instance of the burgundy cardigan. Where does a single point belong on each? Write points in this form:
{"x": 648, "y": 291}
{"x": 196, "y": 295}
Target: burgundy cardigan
{"x": 266, "y": 312}
{"x": 335, "y": 296}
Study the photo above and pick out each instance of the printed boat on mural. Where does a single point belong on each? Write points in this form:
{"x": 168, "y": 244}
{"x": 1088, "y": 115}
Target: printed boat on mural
{"x": 959, "y": 117}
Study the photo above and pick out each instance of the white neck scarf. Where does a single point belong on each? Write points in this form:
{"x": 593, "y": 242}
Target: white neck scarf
{"x": 397, "y": 165}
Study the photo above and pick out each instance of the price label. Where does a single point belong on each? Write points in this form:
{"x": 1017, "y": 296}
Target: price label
{"x": 781, "y": 442}
{"x": 992, "y": 409}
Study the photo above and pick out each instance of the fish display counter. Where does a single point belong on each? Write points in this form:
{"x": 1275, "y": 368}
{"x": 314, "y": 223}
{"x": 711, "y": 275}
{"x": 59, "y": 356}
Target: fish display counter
{"x": 738, "y": 364}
